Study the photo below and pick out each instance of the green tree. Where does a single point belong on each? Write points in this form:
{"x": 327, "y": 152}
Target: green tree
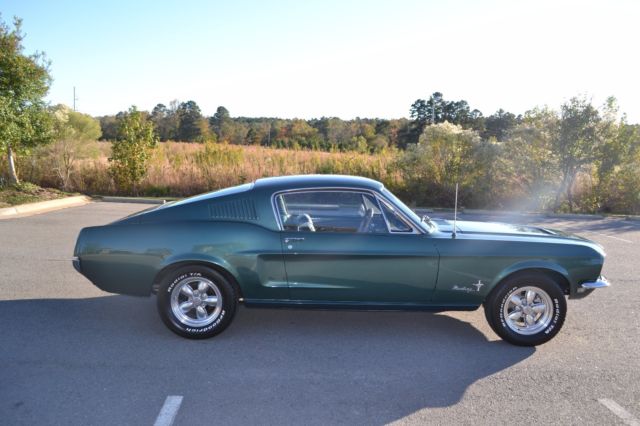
{"x": 253, "y": 136}
{"x": 396, "y": 131}
{"x": 499, "y": 124}
{"x": 24, "y": 81}
{"x": 619, "y": 186}
{"x": 166, "y": 121}
{"x": 190, "y": 122}
{"x": 73, "y": 131}
{"x": 109, "y": 127}
{"x": 438, "y": 110}
{"x": 577, "y": 143}
{"x": 618, "y": 140}
{"x": 444, "y": 156}
{"x": 130, "y": 153}
{"x": 301, "y": 133}
{"x": 529, "y": 160}
{"x": 618, "y": 165}
{"x": 82, "y": 127}
{"x": 423, "y": 113}
{"x": 378, "y": 143}
{"x": 358, "y": 144}
{"x": 221, "y": 124}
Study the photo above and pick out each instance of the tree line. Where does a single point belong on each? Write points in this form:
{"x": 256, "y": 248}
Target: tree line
{"x": 184, "y": 121}
{"x": 579, "y": 157}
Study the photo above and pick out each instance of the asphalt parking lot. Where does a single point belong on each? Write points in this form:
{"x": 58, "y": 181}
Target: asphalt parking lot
{"x": 72, "y": 354}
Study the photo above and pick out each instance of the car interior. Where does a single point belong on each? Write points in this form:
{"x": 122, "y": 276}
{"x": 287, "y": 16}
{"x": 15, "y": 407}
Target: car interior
{"x": 337, "y": 211}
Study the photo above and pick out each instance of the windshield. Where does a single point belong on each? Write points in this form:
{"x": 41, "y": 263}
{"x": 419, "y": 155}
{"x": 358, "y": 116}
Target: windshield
{"x": 426, "y": 226}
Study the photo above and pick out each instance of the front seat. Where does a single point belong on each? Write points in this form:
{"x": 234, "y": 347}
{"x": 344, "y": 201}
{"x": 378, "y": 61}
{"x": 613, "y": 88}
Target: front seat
{"x": 366, "y": 221}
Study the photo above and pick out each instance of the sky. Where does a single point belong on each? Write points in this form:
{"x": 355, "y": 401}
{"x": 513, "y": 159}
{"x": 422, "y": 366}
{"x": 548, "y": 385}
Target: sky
{"x": 342, "y": 59}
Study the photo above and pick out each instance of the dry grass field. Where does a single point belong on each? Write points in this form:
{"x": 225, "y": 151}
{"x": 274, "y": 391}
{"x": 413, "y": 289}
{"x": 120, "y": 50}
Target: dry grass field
{"x": 181, "y": 169}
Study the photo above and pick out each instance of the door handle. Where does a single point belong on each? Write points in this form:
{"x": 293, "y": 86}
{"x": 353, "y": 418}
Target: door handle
{"x": 290, "y": 239}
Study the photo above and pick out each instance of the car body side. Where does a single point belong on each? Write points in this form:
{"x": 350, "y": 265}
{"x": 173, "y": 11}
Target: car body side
{"x": 237, "y": 233}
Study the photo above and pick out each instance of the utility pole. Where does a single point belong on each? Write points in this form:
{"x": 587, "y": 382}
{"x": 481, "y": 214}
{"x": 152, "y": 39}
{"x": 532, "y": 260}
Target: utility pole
{"x": 433, "y": 111}
{"x": 74, "y": 98}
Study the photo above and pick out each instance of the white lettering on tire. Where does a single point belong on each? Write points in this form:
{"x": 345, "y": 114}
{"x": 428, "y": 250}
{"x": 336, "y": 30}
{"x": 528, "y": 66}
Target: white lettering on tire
{"x": 180, "y": 278}
{"x": 209, "y": 327}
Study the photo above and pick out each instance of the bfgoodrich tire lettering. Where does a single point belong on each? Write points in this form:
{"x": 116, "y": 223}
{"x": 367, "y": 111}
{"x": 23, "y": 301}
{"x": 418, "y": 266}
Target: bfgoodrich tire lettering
{"x": 196, "y": 302}
{"x": 526, "y": 309}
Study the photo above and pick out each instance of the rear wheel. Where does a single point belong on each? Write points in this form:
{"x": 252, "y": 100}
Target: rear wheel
{"x": 196, "y": 302}
{"x": 526, "y": 309}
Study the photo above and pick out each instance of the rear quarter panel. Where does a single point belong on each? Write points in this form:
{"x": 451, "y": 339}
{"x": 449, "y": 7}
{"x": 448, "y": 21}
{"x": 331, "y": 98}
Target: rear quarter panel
{"x": 125, "y": 258}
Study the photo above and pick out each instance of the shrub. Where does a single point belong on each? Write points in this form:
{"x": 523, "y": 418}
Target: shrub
{"x": 130, "y": 154}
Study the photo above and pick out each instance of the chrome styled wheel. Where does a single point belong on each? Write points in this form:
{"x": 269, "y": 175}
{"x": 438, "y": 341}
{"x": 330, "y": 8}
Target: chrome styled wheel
{"x": 196, "y": 301}
{"x": 528, "y": 310}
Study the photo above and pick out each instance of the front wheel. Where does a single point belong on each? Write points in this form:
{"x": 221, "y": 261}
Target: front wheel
{"x": 526, "y": 309}
{"x": 196, "y": 302}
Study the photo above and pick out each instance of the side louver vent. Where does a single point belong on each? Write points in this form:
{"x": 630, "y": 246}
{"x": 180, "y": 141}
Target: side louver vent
{"x": 242, "y": 209}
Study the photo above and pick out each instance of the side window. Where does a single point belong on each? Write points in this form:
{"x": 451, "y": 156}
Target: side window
{"x": 330, "y": 211}
{"x": 396, "y": 222}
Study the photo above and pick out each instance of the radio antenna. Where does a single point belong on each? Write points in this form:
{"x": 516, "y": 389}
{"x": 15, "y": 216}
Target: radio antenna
{"x": 455, "y": 213}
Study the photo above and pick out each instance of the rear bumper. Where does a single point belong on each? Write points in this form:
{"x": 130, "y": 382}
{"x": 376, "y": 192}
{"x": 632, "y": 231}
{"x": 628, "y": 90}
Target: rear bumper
{"x": 76, "y": 264}
{"x": 587, "y": 287}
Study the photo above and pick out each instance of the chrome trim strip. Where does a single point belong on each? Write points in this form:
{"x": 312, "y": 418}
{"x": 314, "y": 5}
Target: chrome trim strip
{"x": 601, "y": 282}
{"x": 289, "y": 239}
{"x": 416, "y": 229}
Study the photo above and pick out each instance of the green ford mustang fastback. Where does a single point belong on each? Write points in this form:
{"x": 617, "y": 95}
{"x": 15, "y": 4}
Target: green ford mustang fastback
{"x": 335, "y": 242}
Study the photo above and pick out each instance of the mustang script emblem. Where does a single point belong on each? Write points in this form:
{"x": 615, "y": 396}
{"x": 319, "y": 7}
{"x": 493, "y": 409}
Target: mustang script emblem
{"x": 477, "y": 286}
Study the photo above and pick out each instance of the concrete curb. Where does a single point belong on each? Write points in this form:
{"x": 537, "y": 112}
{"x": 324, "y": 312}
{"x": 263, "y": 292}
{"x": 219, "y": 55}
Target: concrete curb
{"x": 110, "y": 199}
{"x": 634, "y": 218}
{"x": 43, "y": 206}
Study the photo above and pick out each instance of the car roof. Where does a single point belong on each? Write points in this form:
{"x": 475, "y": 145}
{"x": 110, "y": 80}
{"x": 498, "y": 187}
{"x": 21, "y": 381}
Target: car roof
{"x": 314, "y": 181}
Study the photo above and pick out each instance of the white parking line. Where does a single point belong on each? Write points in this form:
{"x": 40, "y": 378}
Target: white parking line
{"x": 615, "y": 238}
{"x": 608, "y": 236}
{"x": 623, "y": 414}
{"x": 169, "y": 410}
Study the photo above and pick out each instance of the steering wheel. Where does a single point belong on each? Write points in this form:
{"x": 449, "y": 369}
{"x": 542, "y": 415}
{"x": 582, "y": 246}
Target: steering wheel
{"x": 366, "y": 221}
{"x": 307, "y": 223}
{"x": 304, "y": 222}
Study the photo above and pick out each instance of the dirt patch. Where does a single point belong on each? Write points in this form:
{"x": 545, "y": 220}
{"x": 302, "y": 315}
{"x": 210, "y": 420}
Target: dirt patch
{"x": 27, "y": 193}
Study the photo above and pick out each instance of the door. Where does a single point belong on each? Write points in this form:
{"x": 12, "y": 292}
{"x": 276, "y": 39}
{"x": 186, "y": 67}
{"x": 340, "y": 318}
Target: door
{"x": 349, "y": 246}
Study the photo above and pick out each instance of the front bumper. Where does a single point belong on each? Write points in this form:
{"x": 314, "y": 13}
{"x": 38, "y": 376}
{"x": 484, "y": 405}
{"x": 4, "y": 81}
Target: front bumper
{"x": 601, "y": 282}
{"x": 587, "y": 287}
